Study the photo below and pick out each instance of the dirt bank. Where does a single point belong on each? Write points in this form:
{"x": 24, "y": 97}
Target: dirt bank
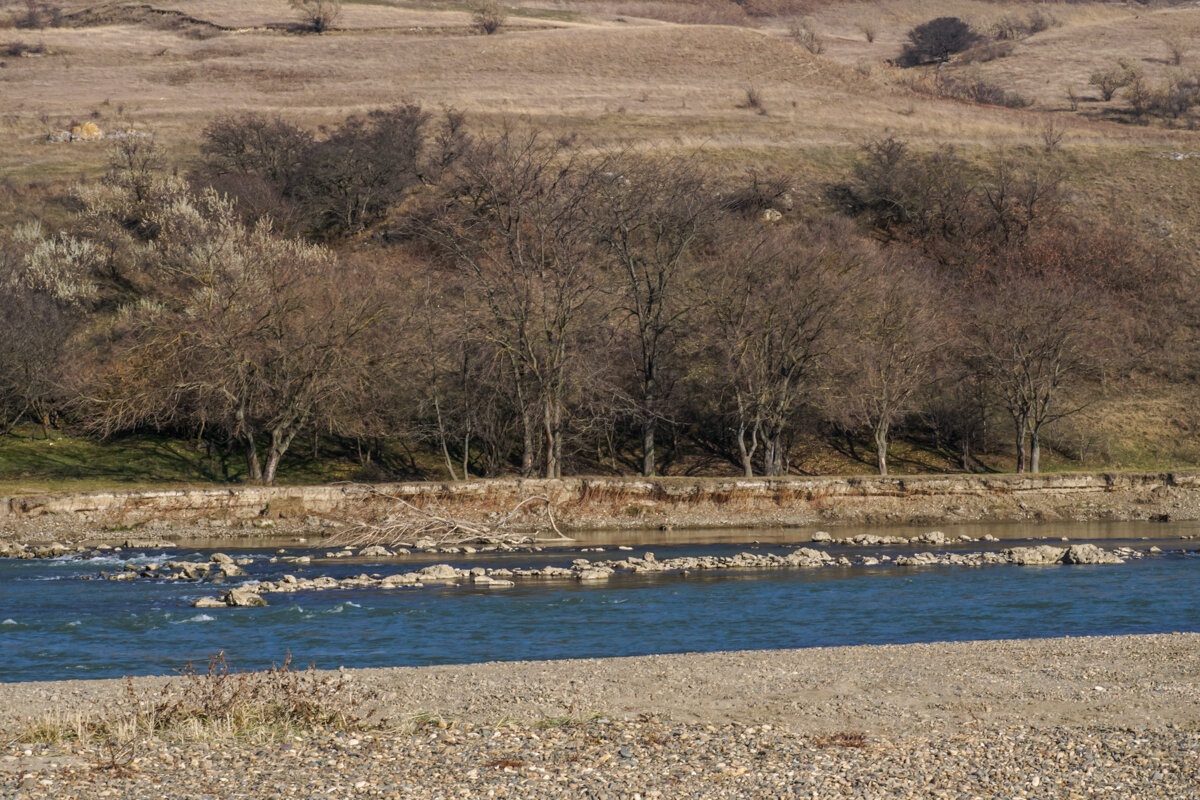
{"x": 598, "y": 503}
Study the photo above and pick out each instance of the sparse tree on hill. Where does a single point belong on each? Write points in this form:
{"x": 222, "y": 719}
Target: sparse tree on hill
{"x": 488, "y": 16}
{"x": 318, "y": 15}
{"x": 936, "y": 40}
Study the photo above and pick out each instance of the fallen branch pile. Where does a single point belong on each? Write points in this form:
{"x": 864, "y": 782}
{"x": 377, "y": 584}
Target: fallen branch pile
{"x": 413, "y": 526}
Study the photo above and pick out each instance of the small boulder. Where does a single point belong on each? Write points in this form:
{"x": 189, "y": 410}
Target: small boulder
{"x": 209, "y": 602}
{"x": 243, "y": 598}
{"x": 1090, "y": 554}
{"x": 821, "y": 537}
{"x": 374, "y": 551}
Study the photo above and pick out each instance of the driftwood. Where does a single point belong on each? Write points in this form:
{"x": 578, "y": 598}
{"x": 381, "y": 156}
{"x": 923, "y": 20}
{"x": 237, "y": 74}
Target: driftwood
{"x": 411, "y": 525}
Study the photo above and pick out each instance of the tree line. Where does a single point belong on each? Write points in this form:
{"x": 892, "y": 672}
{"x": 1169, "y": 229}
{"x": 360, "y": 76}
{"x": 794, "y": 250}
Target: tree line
{"x": 518, "y": 303}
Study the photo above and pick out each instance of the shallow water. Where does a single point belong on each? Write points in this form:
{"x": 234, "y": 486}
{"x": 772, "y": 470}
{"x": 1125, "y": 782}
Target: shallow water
{"x": 54, "y": 624}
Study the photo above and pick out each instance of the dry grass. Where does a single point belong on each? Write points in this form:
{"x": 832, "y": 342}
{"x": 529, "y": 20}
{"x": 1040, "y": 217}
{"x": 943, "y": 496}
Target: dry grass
{"x": 656, "y": 85}
{"x": 213, "y": 704}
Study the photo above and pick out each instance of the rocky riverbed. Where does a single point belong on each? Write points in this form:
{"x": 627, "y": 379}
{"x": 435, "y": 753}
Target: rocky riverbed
{"x": 1097, "y": 717}
{"x": 221, "y": 568}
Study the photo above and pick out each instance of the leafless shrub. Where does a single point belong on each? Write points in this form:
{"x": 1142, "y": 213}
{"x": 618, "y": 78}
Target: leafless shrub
{"x": 38, "y": 14}
{"x": 1177, "y": 45}
{"x": 757, "y": 194}
{"x": 217, "y": 703}
{"x": 753, "y": 100}
{"x": 803, "y": 34}
{"x": 1040, "y": 20}
{"x": 973, "y": 88}
{"x": 989, "y": 51}
{"x": 488, "y": 16}
{"x": 318, "y": 15}
{"x": 1109, "y": 80}
{"x": 1072, "y": 98}
{"x": 1051, "y": 136}
{"x": 20, "y": 49}
{"x": 868, "y": 31}
{"x": 1010, "y": 27}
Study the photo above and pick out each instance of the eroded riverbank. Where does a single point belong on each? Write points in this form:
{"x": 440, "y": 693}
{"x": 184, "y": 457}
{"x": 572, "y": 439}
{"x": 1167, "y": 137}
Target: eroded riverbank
{"x": 587, "y": 504}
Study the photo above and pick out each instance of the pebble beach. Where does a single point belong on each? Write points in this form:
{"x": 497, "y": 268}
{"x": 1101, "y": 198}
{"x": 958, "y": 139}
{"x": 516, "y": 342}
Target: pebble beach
{"x": 1053, "y": 718}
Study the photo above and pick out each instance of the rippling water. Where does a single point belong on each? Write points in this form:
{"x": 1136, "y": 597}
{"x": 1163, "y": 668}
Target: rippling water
{"x": 54, "y": 624}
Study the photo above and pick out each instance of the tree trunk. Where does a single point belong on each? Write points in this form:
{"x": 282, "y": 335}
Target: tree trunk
{"x": 1021, "y": 429}
{"x": 441, "y": 428}
{"x": 281, "y": 440}
{"x": 550, "y": 429}
{"x": 526, "y": 444}
{"x": 881, "y": 447}
{"x": 648, "y": 465}
{"x": 773, "y": 454}
{"x": 253, "y": 467}
{"x": 747, "y": 453}
{"x": 1035, "y": 450}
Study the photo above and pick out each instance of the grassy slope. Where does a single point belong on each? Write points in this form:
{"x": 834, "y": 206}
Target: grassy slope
{"x": 578, "y": 67}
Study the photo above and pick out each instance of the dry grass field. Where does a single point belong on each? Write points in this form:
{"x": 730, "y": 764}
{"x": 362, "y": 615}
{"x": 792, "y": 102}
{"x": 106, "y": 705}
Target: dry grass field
{"x": 644, "y": 74}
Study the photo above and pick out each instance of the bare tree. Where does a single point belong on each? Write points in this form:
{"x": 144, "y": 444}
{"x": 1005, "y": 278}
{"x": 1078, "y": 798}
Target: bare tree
{"x": 516, "y": 227}
{"x": 244, "y": 332}
{"x": 319, "y": 15}
{"x": 772, "y": 300}
{"x": 488, "y": 16}
{"x": 888, "y": 351}
{"x": 1035, "y": 331}
{"x": 337, "y": 185}
{"x": 650, "y": 220}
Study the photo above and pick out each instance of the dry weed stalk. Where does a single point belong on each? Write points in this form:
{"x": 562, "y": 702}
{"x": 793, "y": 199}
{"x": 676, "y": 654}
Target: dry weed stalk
{"x": 215, "y": 703}
{"x": 437, "y": 527}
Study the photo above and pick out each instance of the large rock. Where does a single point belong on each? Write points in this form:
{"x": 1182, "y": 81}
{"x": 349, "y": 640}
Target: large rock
{"x": 1032, "y": 556}
{"x": 595, "y": 575}
{"x": 440, "y": 572}
{"x": 1090, "y": 554}
{"x": 209, "y": 602}
{"x": 374, "y": 551}
{"x": 243, "y": 598}
{"x": 821, "y": 536}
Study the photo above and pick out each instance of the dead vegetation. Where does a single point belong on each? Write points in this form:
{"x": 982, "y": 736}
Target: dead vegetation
{"x": 215, "y": 702}
{"x": 410, "y": 525}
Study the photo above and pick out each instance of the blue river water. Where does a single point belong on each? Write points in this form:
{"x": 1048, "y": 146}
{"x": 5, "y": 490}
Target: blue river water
{"x": 58, "y": 623}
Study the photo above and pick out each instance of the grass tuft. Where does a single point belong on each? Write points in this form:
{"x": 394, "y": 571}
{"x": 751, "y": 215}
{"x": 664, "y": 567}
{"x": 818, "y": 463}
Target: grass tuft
{"x": 216, "y": 703}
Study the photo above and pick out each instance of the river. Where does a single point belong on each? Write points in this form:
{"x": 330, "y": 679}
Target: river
{"x": 57, "y": 622}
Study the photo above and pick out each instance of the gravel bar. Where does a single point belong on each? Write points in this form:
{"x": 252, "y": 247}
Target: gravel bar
{"x": 1090, "y": 717}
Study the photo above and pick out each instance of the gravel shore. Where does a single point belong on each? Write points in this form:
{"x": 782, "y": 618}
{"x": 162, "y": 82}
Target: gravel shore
{"x": 1094, "y": 717}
